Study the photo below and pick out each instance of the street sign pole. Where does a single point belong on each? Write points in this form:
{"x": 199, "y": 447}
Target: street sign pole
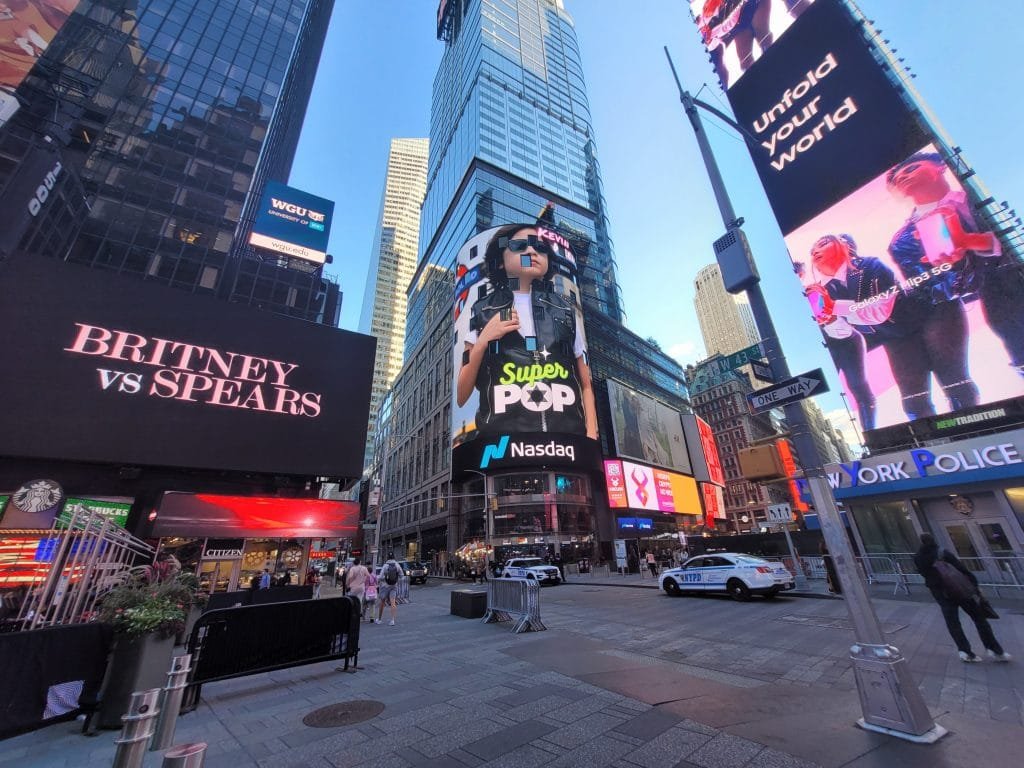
{"x": 890, "y": 700}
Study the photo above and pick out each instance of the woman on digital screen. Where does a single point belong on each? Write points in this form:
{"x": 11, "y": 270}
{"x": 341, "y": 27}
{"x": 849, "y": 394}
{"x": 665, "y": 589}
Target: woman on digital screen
{"x": 525, "y": 353}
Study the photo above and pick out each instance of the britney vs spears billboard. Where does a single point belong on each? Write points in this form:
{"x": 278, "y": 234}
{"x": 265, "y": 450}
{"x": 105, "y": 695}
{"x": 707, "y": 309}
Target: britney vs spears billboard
{"x": 112, "y": 369}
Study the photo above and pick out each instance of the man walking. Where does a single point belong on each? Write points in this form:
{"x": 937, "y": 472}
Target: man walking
{"x": 265, "y": 579}
{"x": 387, "y": 588}
{"x": 931, "y": 563}
{"x": 355, "y": 578}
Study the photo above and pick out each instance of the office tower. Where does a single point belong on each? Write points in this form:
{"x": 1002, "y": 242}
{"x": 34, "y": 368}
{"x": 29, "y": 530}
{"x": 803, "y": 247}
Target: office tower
{"x": 510, "y": 141}
{"x": 392, "y": 264}
{"x": 726, "y": 323}
{"x": 166, "y": 118}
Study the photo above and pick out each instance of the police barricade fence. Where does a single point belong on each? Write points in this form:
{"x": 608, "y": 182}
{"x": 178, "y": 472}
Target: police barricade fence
{"x": 235, "y": 642}
{"x": 516, "y": 600}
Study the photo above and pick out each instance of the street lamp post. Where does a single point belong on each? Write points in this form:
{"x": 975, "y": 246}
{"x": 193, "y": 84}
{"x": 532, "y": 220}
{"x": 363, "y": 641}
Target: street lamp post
{"x": 488, "y": 513}
{"x": 890, "y": 699}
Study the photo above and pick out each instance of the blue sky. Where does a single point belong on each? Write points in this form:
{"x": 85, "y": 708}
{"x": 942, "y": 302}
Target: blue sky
{"x": 375, "y": 81}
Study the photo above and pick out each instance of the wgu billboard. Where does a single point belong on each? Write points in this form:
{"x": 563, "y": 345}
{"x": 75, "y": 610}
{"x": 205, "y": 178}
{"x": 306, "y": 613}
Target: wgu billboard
{"x": 291, "y": 222}
{"x": 104, "y": 368}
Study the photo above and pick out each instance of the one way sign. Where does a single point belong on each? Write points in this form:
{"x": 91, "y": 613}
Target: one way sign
{"x": 788, "y": 391}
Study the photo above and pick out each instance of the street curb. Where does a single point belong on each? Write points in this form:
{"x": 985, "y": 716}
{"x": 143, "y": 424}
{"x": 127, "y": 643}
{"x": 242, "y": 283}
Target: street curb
{"x": 810, "y": 595}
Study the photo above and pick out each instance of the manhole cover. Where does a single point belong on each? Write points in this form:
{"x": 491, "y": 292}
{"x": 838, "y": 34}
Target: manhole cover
{"x": 343, "y": 713}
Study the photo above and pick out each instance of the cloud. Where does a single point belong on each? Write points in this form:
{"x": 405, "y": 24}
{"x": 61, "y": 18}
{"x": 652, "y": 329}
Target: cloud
{"x": 684, "y": 352}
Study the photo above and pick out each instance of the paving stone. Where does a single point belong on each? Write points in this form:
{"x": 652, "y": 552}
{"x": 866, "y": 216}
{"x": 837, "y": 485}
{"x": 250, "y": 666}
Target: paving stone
{"x": 724, "y": 751}
{"x": 668, "y": 747}
{"x": 582, "y": 731}
{"x": 526, "y": 756}
{"x": 649, "y": 724}
{"x": 508, "y": 739}
{"x": 770, "y": 758}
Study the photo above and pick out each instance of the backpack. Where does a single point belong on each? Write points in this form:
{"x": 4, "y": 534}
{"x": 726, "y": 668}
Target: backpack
{"x": 955, "y": 583}
{"x": 391, "y": 574}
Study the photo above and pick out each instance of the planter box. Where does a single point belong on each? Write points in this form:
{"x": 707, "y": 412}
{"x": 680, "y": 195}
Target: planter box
{"x": 137, "y": 664}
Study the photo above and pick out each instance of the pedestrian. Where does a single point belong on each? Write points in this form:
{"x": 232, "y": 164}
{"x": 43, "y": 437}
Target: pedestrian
{"x": 558, "y": 563}
{"x": 265, "y": 579}
{"x": 652, "y": 564}
{"x": 955, "y": 588}
{"x": 831, "y": 576}
{"x": 370, "y": 596}
{"x": 387, "y": 588}
{"x": 254, "y": 582}
{"x": 355, "y": 580}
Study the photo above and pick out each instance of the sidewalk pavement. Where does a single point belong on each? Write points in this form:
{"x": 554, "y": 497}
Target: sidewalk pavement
{"x": 621, "y": 678}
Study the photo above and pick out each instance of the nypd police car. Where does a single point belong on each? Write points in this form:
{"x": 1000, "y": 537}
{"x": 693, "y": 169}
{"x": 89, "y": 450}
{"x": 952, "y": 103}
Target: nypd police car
{"x": 532, "y": 568}
{"x": 739, "y": 575}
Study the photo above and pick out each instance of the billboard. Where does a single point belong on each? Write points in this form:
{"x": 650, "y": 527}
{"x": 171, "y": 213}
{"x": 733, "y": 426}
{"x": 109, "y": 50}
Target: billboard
{"x": 911, "y": 293}
{"x": 714, "y": 503}
{"x": 700, "y": 439}
{"x": 104, "y": 368}
{"x": 634, "y": 486}
{"x": 646, "y": 430}
{"x": 221, "y": 516}
{"x": 26, "y": 30}
{"x": 824, "y": 115}
{"x": 914, "y": 297}
{"x": 522, "y": 393}
{"x": 292, "y": 223}
{"x": 737, "y": 33}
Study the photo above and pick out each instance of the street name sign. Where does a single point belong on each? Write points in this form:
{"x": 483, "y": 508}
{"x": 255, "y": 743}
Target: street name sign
{"x": 788, "y": 391}
{"x": 779, "y": 513}
{"x": 735, "y": 360}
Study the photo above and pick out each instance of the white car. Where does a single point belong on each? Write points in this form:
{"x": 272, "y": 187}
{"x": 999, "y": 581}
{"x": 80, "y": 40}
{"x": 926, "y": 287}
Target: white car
{"x": 739, "y": 575}
{"x": 531, "y": 568}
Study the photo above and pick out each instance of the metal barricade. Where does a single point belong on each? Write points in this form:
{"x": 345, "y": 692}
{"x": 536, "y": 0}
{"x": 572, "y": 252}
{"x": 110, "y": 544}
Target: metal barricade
{"x": 514, "y": 599}
{"x": 402, "y": 594}
{"x": 139, "y": 724}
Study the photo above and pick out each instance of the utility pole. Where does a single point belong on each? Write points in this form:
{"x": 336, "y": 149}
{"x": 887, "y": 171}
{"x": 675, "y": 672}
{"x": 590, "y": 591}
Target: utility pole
{"x": 890, "y": 699}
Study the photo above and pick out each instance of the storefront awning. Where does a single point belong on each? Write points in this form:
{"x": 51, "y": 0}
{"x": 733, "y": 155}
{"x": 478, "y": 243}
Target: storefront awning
{"x": 211, "y": 515}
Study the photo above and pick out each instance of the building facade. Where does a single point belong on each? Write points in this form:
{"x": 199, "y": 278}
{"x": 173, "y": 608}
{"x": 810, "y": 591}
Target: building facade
{"x": 726, "y": 321}
{"x": 392, "y": 264}
{"x": 165, "y": 118}
{"x": 721, "y": 400}
{"x": 510, "y": 141}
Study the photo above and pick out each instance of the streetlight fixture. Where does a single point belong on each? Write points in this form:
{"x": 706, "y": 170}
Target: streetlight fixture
{"x": 382, "y": 480}
{"x": 488, "y": 512}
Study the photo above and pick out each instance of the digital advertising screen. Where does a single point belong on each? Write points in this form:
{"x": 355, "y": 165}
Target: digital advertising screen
{"x": 737, "y": 33}
{"x": 824, "y": 115}
{"x": 522, "y": 394}
{"x": 646, "y": 430}
{"x": 220, "y": 516}
{"x": 909, "y": 290}
{"x": 700, "y": 439}
{"x": 105, "y": 368}
{"x": 634, "y": 486}
{"x": 291, "y": 222}
{"x": 714, "y": 503}
{"x": 27, "y": 28}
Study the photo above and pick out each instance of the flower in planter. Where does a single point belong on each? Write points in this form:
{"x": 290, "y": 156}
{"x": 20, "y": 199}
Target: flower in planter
{"x": 151, "y": 599}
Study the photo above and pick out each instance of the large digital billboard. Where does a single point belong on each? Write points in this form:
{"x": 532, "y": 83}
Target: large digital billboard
{"x": 104, "y": 368}
{"x": 27, "y": 27}
{"x": 914, "y": 296}
{"x": 293, "y": 223}
{"x": 646, "y": 430}
{"x": 700, "y": 439}
{"x": 911, "y": 293}
{"x": 738, "y": 32}
{"x": 824, "y": 115}
{"x": 522, "y": 392}
{"x": 634, "y": 486}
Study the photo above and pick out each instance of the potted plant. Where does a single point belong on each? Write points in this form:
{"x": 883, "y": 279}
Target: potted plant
{"x": 148, "y": 609}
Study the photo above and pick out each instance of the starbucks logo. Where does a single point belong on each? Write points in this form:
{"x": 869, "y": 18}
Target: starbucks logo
{"x": 38, "y": 496}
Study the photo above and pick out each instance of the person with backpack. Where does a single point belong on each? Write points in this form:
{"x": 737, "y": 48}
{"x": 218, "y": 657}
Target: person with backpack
{"x": 955, "y": 588}
{"x": 387, "y": 588}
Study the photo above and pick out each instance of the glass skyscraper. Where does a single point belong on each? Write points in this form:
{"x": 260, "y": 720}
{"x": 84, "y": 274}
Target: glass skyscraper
{"x": 166, "y": 118}
{"x": 510, "y": 141}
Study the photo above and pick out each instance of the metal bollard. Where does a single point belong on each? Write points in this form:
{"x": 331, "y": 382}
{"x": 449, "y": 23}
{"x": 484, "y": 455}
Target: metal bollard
{"x": 170, "y": 705}
{"x": 139, "y": 723}
{"x": 185, "y": 756}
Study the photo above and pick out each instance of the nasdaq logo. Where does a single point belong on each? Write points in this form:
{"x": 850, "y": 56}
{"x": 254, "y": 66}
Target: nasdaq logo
{"x": 494, "y": 451}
